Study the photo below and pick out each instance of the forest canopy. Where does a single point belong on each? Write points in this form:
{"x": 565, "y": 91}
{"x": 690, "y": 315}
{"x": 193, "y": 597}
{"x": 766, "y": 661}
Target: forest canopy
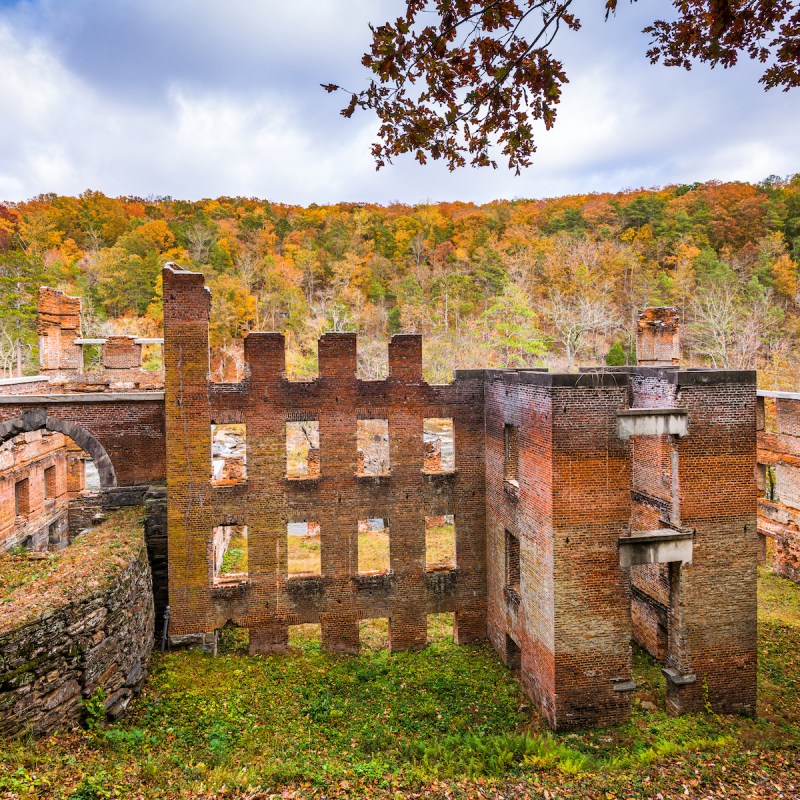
{"x": 553, "y": 282}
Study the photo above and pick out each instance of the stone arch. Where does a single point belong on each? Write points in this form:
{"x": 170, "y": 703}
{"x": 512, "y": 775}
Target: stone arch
{"x": 37, "y": 419}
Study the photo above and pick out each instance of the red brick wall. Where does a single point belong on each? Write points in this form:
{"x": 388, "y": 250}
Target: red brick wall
{"x": 337, "y": 499}
{"x": 572, "y": 619}
{"x": 131, "y": 432}
{"x": 780, "y": 519}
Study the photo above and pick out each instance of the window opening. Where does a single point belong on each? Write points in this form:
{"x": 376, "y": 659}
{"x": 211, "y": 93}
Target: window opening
{"x": 771, "y": 484}
{"x": 373, "y": 546}
{"x": 22, "y": 498}
{"x": 372, "y": 443}
{"x": 50, "y": 482}
{"x": 228, "y": 453}
{"x": 441, "y": 627}
{"x": 302, "y": 449}
{"x": 304, "y": 552}
{"x": 440, "y": 542}
{"x": 439, "y": 444}
{"x": 513, "y": 655}
{"x": 306, "y": 636}
{"x": 229, "y": 554}
{"x": 510, "y": 454}
{"x": 373, "y": 634}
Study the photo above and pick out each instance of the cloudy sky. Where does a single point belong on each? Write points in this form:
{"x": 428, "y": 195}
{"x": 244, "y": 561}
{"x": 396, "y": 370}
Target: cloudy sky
{"x": 200, "y": 98}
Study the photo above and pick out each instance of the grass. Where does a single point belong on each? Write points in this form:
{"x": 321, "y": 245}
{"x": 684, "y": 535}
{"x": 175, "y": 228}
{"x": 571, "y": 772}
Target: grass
{"x": 304, "y": 555}
{"x": 31, "y": 583}
{"x": 373, "y": 551}
{"x": 234, "y": 561}
{"x": 440, "y": 545}
{"x": 446, "y": 722}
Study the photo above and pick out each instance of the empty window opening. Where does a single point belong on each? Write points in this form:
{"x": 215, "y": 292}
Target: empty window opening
{"x": 771, "y": 484}
{"x": 438, "y": 441}
{"x": 91, "y": 477}
{"x": 22, "y": 501}
{"x": 50, "y": 490}
{"x": 229, "y": 554}
{"x": 510, "y": 454}
{"x": 373, "y": 546}
{"x": 304, "y": 551}
{"x": 228, "y": 453}
{"x": 440, "y": 542}
{"x": 512, "y": 561}
{"x": 307, "y": 636}
{"x": 373, "y": 634}
{"x": 153, "y": 359}
{"x": 441, "y": 628}
{"x": 92, "y": 356}
{"x": 513, "y": 655}
{"x": 372, "y": 442}
{"x": 302, "y": 449}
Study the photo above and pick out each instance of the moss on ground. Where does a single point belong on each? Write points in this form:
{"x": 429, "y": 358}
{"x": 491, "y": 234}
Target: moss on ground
{"x": 32, "y": 583}
{"x": 447, "y": 722}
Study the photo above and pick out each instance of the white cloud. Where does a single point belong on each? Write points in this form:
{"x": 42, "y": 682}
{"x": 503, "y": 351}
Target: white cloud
{"x": 194, "y": 98}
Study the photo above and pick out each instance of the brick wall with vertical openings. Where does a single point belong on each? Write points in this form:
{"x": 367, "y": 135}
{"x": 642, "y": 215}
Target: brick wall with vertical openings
{"x": 269, "y": 601}
{"x": 779, "y": 449}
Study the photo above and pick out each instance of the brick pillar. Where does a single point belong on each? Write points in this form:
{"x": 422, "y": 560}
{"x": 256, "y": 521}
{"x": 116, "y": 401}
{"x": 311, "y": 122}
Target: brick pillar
{"x": 265, "y": 365}
{"x": 59, "y": 324}
{"x": 337, "y": 517}
{"x": 658, "y": 337}
{"x": 712, "y": 619}
{"x": 187, "y": 305}
{"x": 591, "y": 506}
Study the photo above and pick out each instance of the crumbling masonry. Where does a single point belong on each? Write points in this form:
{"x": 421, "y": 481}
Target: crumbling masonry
{"x": 589, "y": 509}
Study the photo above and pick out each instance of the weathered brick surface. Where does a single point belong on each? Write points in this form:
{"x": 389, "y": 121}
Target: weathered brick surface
{"x": 779, "y": 517}
{"x": 337, "y": 498}
{"x": 125, "y": 438}
{"x": 42, "y": 522}
{"x": 571, "y": 620}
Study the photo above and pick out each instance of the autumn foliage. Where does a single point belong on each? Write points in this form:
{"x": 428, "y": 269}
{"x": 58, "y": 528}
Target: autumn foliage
{"x": 555, "y": 282}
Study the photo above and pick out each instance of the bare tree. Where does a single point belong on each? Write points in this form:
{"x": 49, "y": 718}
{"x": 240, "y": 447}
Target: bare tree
{"x": 730, "y": 331}
{"x": 573, "y": 317}
{"x": 200, "y": 239}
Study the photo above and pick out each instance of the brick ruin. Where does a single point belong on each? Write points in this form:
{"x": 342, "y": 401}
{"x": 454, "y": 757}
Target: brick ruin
{"x": 779, "y": 481}
{"x": 585, "y": 510}
{"x": 588, "y": 509}
{"x": 63, "y": 350}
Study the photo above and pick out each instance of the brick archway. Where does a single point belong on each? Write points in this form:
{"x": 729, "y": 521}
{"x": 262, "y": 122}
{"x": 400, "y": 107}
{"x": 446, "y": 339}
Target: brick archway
{"x": 37, "y": 419}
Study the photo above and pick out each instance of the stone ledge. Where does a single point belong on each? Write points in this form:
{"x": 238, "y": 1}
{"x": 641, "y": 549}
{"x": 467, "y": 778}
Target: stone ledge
{"x": 81, "y": 397}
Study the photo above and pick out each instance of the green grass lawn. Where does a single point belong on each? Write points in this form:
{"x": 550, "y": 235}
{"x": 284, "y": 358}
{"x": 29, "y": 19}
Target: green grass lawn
{"x": 446, "y": 722}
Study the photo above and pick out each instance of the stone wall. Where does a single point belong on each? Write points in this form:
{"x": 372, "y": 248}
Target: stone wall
{"x": 100, "y": 640}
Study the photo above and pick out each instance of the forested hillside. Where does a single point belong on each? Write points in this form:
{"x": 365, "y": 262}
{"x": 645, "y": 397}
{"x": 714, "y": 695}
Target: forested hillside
{"x": 555, "y": 282}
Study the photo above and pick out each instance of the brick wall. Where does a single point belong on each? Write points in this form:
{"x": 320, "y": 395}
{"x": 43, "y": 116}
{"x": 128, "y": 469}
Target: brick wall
{"x": 42, "y": 523}
{"x": 779, "y": 516}
{"x": 268, "y": 602}
{"x": 125, "y": 433}
{"x": 570, "y": 619}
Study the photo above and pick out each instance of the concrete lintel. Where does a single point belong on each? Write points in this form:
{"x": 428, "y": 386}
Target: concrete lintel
{"x": 652, "y": 422}
{"x": 655, "y": 547}
{"x": 23, "y": 379}
{"x": 675, "y": 677}
{"x": 145, "y": 340}
{"x": 89, "y": 341}
{"x": 763, "y": 393}
{"x": 80, "y": 397}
